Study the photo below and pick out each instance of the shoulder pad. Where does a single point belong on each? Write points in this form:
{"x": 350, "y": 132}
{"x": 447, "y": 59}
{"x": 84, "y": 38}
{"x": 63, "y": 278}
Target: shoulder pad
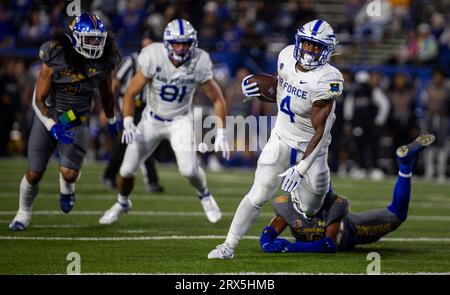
{"x": 48, "y": 51}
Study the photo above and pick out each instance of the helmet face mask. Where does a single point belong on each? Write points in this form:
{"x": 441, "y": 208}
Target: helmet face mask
{"x": 88, "y": 35}
{"x": 180, "y": 49}
{"x": 177, "y": 32}
{"x": 318, "y": 33}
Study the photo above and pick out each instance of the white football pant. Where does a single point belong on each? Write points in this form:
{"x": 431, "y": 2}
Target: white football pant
{"x": 150, "y": 132}
{"x": 276, "y": 157}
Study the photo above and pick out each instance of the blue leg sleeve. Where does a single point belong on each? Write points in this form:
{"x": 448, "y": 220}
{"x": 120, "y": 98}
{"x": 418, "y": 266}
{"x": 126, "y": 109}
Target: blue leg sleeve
{"x": 400, "y": 200}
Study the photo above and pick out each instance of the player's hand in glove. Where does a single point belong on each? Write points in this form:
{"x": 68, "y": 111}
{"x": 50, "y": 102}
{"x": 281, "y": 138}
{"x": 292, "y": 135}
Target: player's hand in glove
{"x": 292, "y": 178}
{"x": 62, "y": 134}
{"x": 277, "y": 246}
{"x": 250, "y": 90}
{"x": 221, "y": 143}
{"x": 113, "y": 127}
{"x": 129, "y": 130}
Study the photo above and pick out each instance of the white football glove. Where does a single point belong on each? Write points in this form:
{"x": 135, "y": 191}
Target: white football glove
{"x": 129, "y": 130}
{"x": 251, "y": 90}
{"x": 292, "y": 177}
{"x": 221, "y": 143}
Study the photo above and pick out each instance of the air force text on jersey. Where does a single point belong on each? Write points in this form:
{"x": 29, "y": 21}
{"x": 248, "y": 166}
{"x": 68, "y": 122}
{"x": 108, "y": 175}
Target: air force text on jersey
{"x": 292, "y": 89}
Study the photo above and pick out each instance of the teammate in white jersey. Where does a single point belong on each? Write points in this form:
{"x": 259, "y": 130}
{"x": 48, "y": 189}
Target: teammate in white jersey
{"x": 296, "y": 152}
{"x": 173, "y": 70}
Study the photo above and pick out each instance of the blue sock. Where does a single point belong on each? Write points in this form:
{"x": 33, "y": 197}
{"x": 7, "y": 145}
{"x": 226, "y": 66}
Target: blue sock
{"x": 402, "y": 194}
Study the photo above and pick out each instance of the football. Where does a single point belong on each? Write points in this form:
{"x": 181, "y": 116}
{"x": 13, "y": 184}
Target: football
{"x": 267, "y": 85}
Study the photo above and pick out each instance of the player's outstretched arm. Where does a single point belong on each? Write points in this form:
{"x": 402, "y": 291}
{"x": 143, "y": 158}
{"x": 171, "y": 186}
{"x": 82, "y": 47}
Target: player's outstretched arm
{"x": 136, "y": 85}
{"x": 212, "y": 90}
{"x": 107, "y": 96}
{"x": 268, "y": 239}
{"x": 108, "y": 103}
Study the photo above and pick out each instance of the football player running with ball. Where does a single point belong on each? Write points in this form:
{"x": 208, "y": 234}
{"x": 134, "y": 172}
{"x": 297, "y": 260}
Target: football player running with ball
{"x": 74, "y": 65}
{"x": 173, "y": 69}
{"x": 296, "y": 153}
{"x": 334, "y": 228}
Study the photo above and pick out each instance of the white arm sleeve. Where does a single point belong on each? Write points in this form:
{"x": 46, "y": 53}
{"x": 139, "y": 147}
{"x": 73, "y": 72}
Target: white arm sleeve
{"x": 48, "y": 122}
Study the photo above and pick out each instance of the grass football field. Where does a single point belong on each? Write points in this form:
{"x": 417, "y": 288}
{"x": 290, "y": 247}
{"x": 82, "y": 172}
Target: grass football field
{"x": 168, "y": 233}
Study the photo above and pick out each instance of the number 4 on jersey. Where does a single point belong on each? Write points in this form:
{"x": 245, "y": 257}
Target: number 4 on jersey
{"x": 285, "y": 107}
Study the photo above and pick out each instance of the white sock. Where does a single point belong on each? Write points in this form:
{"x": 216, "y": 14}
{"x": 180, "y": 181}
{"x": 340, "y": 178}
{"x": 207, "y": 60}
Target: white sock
{"x": 245, "y": 217}
{"x": 122, "y": 199}
{"x": 65, "y": 187}
{"x": 27, "y": 194}
{"x": 199, "y": 181}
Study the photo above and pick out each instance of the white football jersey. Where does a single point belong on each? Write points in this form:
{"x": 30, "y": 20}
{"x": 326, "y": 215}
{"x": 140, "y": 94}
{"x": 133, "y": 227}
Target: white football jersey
{"x": 296, "y": 93}
{"x": 172, "y": 88}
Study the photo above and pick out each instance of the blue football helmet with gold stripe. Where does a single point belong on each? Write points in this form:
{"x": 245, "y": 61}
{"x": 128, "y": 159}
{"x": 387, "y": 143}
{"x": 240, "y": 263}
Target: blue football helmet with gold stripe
{"x": 88, "y": 35}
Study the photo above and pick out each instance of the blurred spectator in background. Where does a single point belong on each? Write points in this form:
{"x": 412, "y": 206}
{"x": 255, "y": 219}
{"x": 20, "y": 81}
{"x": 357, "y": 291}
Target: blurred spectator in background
{"x": 58, "y": 16}
{"x": 367, "y": 110}
{"x": 437, "y": 105}
{"x": 253, "y": 44}
{"x": 403, "y": 124}
{"x": 35, "y": 30}
{"x": 127, "y": 23}
{"x": 339, "y": 134}
{"x": 352, "y": 8}
{"x": 400, "y": 14}
{"x": 210, "y": 31}
{"x": 444, "y": 48}
{"x": 6, "y": 27}
{"x": 10, "y": 101}
{"x": 372, "y": 20}
{"x": 437, "y": 24}
{"x": 422, "y": 47}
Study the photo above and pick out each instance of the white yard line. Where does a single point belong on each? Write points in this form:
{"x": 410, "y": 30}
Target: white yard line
{"x": 58, "y": 226}
{"x": 180, "y": 237}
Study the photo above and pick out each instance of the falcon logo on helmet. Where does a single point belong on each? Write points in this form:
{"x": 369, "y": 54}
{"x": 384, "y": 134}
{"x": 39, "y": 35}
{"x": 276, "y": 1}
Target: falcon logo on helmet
{"x": 180, "y": 31}
{"x": 320, "y": 33}
{"x": 88, "y": 35}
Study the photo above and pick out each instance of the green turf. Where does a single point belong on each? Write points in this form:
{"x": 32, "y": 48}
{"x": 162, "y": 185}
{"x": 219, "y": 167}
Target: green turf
{"x": 429, "y": 218}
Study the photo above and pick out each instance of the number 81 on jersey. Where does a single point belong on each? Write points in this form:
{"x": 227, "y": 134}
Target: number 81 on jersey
{"x": 171, "y": 93}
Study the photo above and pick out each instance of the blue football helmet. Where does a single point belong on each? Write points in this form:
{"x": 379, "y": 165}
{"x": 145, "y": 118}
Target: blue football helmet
{"x": 320, "y": 33}
{"x": 180, "y": 31}
{"x": 88, "y": 35}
